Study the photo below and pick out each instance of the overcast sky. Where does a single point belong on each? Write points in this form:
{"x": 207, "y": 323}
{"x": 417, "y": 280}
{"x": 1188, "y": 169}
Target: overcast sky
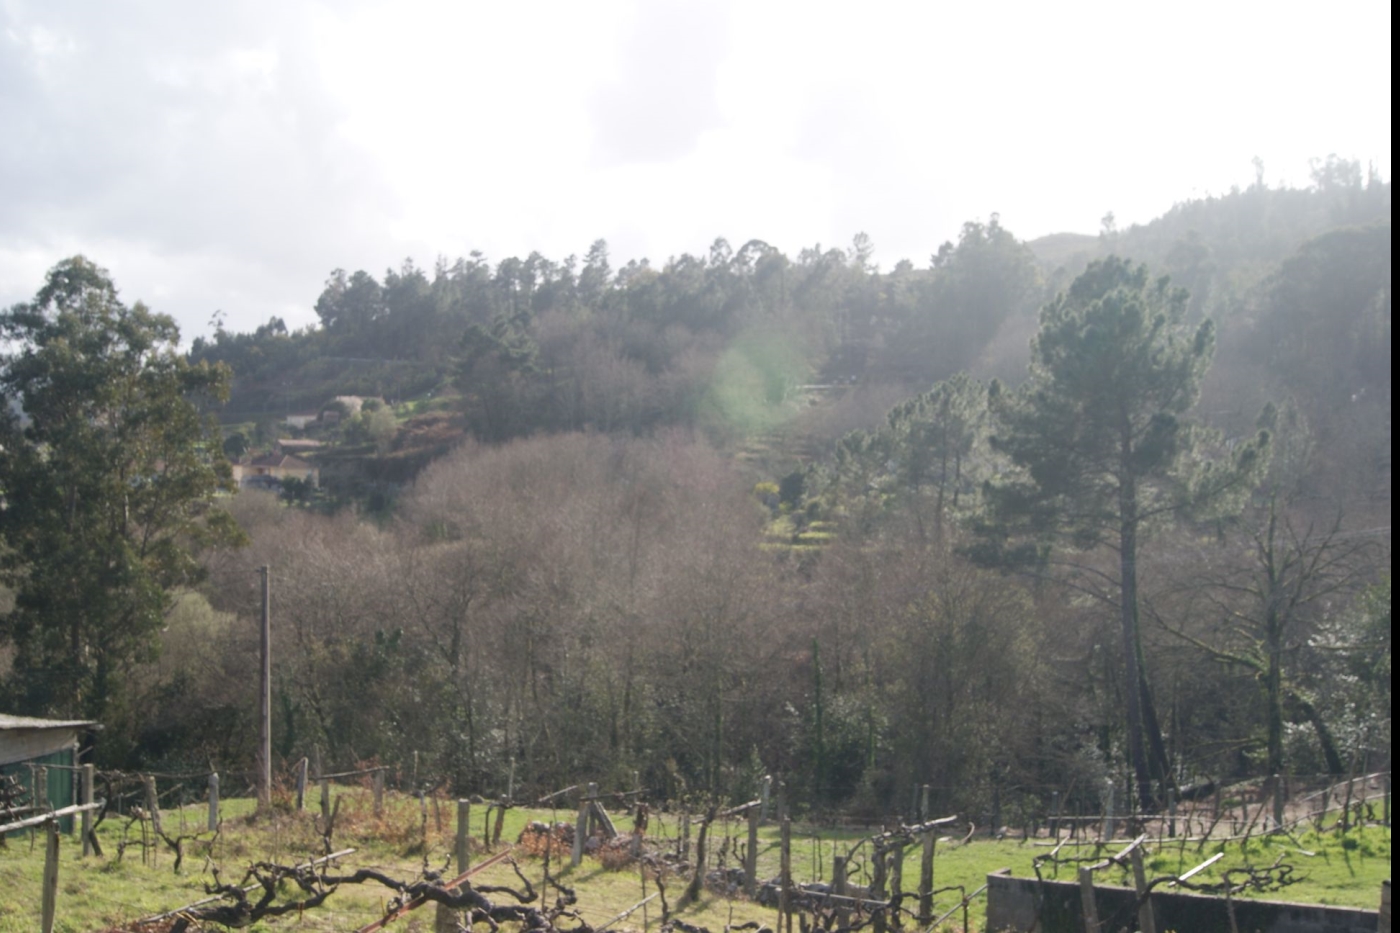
{"x": 229, "y": 155}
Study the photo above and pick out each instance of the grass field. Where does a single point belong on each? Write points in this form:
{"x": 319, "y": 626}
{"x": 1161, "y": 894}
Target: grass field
{"x": 99, "y": 893}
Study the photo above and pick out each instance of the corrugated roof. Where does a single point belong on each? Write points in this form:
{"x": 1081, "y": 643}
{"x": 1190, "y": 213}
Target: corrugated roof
{"x": 29, "y": 722}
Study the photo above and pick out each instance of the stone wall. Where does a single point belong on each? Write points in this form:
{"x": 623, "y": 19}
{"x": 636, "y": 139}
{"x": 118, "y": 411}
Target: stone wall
{"x": 1013, "y": 904}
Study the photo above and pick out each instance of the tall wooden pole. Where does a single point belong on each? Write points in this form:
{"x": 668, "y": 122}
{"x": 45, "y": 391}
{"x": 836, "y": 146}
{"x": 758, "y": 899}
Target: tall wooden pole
{"x": 265, "y": 696}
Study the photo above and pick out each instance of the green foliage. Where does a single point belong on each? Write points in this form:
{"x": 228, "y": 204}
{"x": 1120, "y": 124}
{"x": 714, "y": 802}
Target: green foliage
{"x": 1099, "y": 439}
{"x": 110, "y": 473}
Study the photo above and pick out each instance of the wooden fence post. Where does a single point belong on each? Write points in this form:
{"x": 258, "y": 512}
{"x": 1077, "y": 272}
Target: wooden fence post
{"x": 1147, "y": 920}
{"x": 1171, "y": 813}
{"x": 152, "y": 801}
{"x": 1277, "y": 781}
{"x": 1383, "y": 917}
{"x": 995, "y": 821}
{"x": 50, "y": 895}
{"x": 580, "y": 828}
{"x": 877, "y": 886}
{"x": 1106, "y": 832}
{"x": 838, "y": 888}
{"x": 213, "y": 802}
{"x": 89, "y": 779}
{"x": 751, "y": 856}
{"x": 464, "y": 821}
{"x": 897, "y": 879}
{"x": 923, "y": 803}
{"x": 1086, "y": 900}
{"x": 378, "y": 793}
{"x": 926, "y": 877}
{"x": 763, "y": 796}
{"x": 500, "y": 821}
{"x": 325, "y": 797}
{"x": 785, "y": 878}
{"x": 302, "y": 767}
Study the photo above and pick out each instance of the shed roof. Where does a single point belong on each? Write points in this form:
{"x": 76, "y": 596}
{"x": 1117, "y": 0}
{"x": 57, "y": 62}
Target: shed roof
{"x": 29, "y": 722}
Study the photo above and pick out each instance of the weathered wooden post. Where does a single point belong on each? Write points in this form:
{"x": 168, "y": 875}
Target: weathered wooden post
{"x": 213, "y": 802}
{"x": 302, "y": 767}
{"x": 897, "y": 879}
{"x": 1277, "y": 782}
{"x": 437, "y": 813}
{"x": 1055, "y": 815}
{"x": 838, "y": 890}
{"x": 464, "y": 821}
{"x": 89, "y": 779}
{"x": 1383, "y": 917}
{"x": 1106, "y": 831}
{"x": 923, "y": 803}
{"x": 1171, "y": 813}
{"x": 785, "y": 878}
{"x": 926, "y": 878}
{"x": 580, "y": 828}
{"x": 995, "y": 821}
{"x": 41, "y": 788}
{"x": 152, "y": 801}
{"x": 325, "y": 797}
{"x": 764, "y": 790}
{"x": 500, "y": 820}
{"x": 510, "y": 780}
{"x": 50, "y": 895}
{"x": 1086, "y": 899}
{"x": 1147, "y": 920}
{"x": 378, "y": 792}
{"x": 751, "y": 856}
{"x": 877, "y": 886}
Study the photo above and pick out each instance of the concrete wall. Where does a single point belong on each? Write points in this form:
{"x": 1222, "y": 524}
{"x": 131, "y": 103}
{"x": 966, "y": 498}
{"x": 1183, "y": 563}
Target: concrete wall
{"x": 1012, "y": 904}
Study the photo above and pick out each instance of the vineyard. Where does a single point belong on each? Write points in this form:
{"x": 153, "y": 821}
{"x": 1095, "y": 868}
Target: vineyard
{"x": 363, "y": 858}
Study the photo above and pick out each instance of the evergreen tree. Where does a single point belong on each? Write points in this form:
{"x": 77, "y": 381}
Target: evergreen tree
{"x": 108, "y": 474}
{"x": 1098, "y": 434}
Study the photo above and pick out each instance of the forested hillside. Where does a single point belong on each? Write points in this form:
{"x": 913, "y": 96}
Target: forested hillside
{"x": 1015, "y": 514}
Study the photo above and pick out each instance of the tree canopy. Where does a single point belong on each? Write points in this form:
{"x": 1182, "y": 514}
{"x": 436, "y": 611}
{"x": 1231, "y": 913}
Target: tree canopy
{"x": 109, "y": 472}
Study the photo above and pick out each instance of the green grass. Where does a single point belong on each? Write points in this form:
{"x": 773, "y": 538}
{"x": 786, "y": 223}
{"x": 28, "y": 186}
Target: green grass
{"x": 96, "y": 893}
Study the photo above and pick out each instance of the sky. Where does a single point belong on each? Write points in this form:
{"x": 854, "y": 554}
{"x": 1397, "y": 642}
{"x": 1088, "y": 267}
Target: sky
{"x": 228, "y": 156}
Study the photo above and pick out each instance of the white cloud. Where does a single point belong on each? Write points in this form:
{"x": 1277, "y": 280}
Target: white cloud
{"x": 229, "y": 156}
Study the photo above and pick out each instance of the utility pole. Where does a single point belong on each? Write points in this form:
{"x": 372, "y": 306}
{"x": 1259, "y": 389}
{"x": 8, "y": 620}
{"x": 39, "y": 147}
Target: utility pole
{"x": 265, "y": 696}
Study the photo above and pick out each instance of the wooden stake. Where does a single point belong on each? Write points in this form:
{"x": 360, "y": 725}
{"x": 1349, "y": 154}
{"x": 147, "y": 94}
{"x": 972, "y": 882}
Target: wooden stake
{"x": 580, "y": 828}
{"x": 213, "y": 802}
{"x": 302, "y": 767}
{"x": 838, "y": 888}
{"x": 152, "y": 801}
{"x": 379, "y": 793}
{"x": 897, "y": 878}
{"x": 926, "y": 878}
{"x": 785, "y": 878}
{"x": 1086, "y": 899}
{"x": 1106, "y": 833}
{"x": 751, "y": 856}
{"x": 50, "y": 895}
{"x": 1147, "y": 919}
{"x": 464, "y": 822}
{"x": 89, "y": 778}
